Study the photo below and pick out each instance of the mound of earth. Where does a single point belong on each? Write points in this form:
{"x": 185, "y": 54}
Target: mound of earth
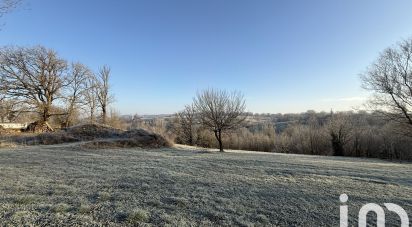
{"x": 94, "y": 131}
{"x": 38, "y": 127}
{"x": 48, "y": 138}
{"x": 92, "y": 136}
{"x": 102, "y": 136}
{"x": 53, "y": 138}
{"x": 145, "y": 138}
{"x": 137, "y": 133}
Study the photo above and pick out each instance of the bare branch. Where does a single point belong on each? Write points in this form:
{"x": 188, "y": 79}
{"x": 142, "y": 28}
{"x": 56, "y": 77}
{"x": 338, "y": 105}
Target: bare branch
{"x": 8, "y": 5}
{"x": 390, "y": 78}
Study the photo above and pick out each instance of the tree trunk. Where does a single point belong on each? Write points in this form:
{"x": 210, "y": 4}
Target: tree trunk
{"x": 92, "y": 120}
{"x": 312, "y": 150}
{"x": 67, "y": 121}
{"x": 190, "y": 140}
{"x": 337, "y": 146}
{"x": 104, "y": 115}
{"x": 46, "y": 114}
{"x": 218, "y": 135}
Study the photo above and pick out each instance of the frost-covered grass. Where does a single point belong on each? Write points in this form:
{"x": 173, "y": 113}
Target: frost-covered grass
{"x": 183, "y": 186}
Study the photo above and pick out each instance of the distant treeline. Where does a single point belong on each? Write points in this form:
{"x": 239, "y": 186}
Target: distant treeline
{"x": 357, "y": 134}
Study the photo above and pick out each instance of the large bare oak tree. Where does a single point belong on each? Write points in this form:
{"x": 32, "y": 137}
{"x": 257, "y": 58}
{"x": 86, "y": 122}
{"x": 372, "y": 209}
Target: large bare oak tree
{"x": 34, "y": 75}
{"x": 219, "y": 111}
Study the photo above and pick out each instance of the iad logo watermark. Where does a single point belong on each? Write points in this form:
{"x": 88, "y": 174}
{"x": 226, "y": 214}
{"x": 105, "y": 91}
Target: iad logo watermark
{"x": 372, "y": 207}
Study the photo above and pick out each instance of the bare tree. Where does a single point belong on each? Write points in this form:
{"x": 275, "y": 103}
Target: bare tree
{"x": 220, "y": 111}
{"x": 103, "y": 91}
{"x": 315, "y": 136}
{"x": 91, "y": 97}
{"x": 390, "y": 78}
{"x": 340, "y": 129}
{"x": 135, "y": 122}
{"x": 76, "y": 91}
{"x": 186, "y": 122}
{"x": 33, "y": 75}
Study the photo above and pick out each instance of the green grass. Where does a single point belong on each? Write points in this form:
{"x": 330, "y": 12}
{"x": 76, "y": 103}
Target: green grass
{"x": 68, "y": 185}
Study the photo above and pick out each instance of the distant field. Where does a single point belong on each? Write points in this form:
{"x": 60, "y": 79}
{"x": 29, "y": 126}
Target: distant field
{"x": 66, "y": 185}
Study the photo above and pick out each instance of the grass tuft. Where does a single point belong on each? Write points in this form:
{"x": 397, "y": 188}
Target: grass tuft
{"x": 138, "y": 216}
{"x": 84, "y": 209}
{"x": 61, "y": 208}
{"x": 104, "y": 196}
{"x": 25, "y": 200}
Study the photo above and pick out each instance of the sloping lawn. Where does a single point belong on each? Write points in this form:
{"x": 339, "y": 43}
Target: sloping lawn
{"x": 69, "y": 185}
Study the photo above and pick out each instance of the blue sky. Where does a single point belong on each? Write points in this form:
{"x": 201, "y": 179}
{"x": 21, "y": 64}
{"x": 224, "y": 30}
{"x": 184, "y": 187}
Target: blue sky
{"x": 285, "y": 56}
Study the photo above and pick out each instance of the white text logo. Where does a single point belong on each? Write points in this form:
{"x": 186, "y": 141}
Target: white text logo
{"x": 372, "y": 207}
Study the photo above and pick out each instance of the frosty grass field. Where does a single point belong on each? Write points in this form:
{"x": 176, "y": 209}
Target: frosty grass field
{"x": 184, "y": 186}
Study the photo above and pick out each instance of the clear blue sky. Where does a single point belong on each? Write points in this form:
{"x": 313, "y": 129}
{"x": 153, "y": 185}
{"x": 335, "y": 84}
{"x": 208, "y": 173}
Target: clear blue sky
{"x": 285, "y": 56}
